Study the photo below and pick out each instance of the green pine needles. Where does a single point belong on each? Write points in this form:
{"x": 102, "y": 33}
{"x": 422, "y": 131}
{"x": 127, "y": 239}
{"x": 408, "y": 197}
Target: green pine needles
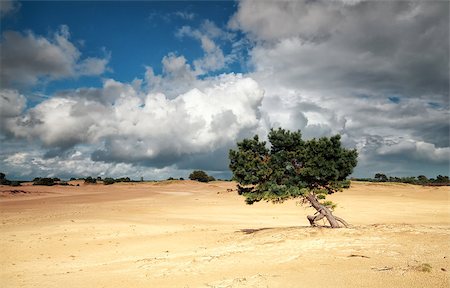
{"x": 292, "y": 168}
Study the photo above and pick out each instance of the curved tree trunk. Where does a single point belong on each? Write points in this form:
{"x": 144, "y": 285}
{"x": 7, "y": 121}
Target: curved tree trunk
{"x": 322, "y": 212}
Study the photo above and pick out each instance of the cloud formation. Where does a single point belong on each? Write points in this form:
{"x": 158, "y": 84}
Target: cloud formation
{"x": 77, "y": 163}
{"x": 367, "y": 46}
{"x": 8, "y": 7}
{"x": 12, "y": 104}
{"x": 375, "y": 72}
{"x": 28, "y": 58}
{"x": 214, "y": 58}
{"x": 365, "y": 69}
{"x": 124, "y": 125}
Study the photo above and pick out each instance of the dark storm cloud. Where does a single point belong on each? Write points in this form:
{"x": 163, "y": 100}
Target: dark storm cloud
{"x": 213, "y": 161}
{"x": 349, "y": 58}
{"x": 216, "y": 160}
{"x": 402, "y": 157}
{"x": 434, "y": 132}
{"x": 390, "y": 47}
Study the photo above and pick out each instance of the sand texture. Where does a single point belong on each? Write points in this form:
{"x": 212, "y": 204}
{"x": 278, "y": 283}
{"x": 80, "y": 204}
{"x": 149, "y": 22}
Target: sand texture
{"x": 189, "y": 234}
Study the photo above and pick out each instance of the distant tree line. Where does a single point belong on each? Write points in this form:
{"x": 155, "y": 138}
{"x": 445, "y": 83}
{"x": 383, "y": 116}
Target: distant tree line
{"x": 196, "y": 175}
{"x": 172, "y": 178}
{"x": 419, "y": 180}
{"x": 109, "y": 180}
{"x": 88, "y": 180}
{"x": 47, "y": 181}
{"x": 36, "y": 181}
{"x": 106, "y": 180}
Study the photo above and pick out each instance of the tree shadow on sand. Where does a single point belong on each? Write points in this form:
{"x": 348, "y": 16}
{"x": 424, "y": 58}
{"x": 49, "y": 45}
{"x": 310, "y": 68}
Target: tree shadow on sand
{"x": 249, "y": 231}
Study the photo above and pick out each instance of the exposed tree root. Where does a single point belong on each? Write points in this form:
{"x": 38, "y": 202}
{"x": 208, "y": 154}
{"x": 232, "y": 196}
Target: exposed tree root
{"x": 323, "y": 211}
{"x": 342, "y": 221}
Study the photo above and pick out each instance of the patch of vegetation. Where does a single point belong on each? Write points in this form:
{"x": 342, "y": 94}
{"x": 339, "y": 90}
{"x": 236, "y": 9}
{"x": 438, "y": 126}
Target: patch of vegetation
{"x": 4, "y": 181}
{"x": 329, "y": 204}
{"x": 123, "y": 179}
{"x": 44, "y": 181}
{"x": 419, "y": 180}
{"x": 90, "y": 180}
{"x": 109, "y": 181}
{"x": 201, "y": 176}
{"x": 424, "y": 267}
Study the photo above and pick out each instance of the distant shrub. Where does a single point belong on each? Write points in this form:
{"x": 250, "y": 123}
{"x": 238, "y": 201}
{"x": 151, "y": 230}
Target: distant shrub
{"x": 109, "y": 181}
{"x": 380, "y": 177}
{"x": 422, "y": 179}
{"x": 15, "y": 183}
{"x": 181, "y": 178}
{"x": 201, "y": 176}
{"x": 442, "y": 179}
{"x": 44, "y": 181}
{"x": 170, "y": 178}
{"x": 123, "y": 179}
{"x": 346, "y": 184}
{"x": 90, "y": 180}
{"x": 3, "y": 180}
{"x": 63, "y": 183}
{"x": 73, "y": 179}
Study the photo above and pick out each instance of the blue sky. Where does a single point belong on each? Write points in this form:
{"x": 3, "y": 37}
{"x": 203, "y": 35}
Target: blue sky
{"x": 158, "y": 89}
{"x": 145, "y": 29}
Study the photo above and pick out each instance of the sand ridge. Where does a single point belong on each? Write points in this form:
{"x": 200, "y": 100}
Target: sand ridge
{"x": 190, "y": 234}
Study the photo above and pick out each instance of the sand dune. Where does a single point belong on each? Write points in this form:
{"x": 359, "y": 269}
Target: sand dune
{"x": 189, "y": 234}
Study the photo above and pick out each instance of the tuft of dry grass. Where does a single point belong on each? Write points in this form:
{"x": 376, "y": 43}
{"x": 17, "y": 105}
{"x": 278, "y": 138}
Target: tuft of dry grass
{"x": 424, "y": 267}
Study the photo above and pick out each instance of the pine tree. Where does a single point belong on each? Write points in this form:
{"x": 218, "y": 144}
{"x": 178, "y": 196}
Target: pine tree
{"x": 293, "y": 168}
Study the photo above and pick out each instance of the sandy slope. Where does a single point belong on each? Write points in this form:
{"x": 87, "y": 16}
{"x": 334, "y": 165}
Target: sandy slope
{"x": 186, "y": 234}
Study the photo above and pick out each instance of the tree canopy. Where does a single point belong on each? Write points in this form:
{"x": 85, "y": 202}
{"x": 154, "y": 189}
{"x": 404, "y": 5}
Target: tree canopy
{"x": 291, "y": 167}
{"x": 201, "y": 176}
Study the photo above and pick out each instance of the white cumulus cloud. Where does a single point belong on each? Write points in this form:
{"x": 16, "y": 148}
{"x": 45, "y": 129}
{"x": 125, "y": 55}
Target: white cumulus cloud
{"x": 28, "y": 58}
{"x": 147, "y": 128}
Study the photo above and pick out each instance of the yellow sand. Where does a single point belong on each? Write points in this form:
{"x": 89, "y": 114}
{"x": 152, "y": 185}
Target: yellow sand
{"x": 189, "y": 234}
